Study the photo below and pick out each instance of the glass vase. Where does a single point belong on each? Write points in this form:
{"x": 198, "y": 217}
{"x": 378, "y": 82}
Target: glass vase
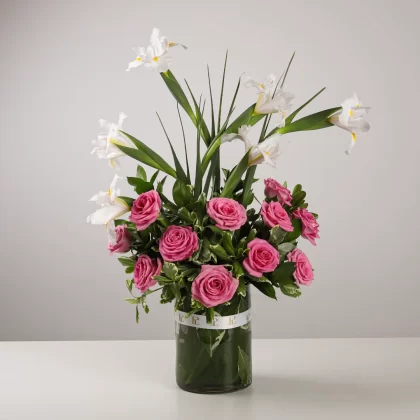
{"x": 215, "y": 361}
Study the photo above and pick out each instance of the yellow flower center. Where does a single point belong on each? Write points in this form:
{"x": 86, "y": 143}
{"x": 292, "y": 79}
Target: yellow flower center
{"x": 171, "y": 44}
{"x": 138, "y": 58}
{"x": 353, "y": 136}
{"x": 261, "y": 86}
{"x": 351, "y": 113}
{"x": 155, "y": 59}
{"x": 283, "y": 113}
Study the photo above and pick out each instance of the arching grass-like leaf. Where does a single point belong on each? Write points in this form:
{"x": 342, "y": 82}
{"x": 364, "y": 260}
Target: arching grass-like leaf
{"x": 146, "y": 155}
{"x": 291, "y": 117}
{"x": 235, "y": 176}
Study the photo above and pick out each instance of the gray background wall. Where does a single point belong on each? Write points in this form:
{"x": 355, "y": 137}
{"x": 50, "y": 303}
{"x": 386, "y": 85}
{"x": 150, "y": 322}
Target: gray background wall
{"x": 62, "y": 68}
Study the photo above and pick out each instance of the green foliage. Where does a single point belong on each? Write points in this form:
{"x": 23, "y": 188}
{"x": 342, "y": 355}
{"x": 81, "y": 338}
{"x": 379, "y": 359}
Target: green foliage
{"x": 244, "y": 367}
{"x": 266, "y": 288}
{"x": 182, "y": 193}
{"x": 283, "y": 277}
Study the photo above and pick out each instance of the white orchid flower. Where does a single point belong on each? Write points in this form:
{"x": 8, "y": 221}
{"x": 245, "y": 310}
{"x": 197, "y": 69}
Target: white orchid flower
{"x": 155, "y": 57}
{"x": 105, "y": 144}
{"x": 111, "y": 206}
{"x": 269, "y": 100}
{"x": 351, "y": 118}
{"x": 265, "y": 152}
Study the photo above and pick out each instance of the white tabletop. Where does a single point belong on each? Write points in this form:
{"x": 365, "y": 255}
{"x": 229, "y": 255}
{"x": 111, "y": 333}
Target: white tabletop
{"x": 292, "y": 379}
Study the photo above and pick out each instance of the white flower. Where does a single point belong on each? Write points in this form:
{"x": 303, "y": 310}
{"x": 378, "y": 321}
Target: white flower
{"x": 351, "y": 118}
{"x": 111, "y": 206}
{"x": 265, "y": 152}
{"x": 242, "y": 134}
{"x": 268, "y": 150}
{"x": 155, "y": 57}
{"x": 105, "y": 144}
{"x": 269, "y": 100}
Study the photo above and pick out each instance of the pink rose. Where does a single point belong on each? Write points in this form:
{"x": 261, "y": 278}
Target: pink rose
{"x": 145, "y": 209}
{"x": 262, "y": 258}
{"x": 310, "y": 227}
{"x": 274, "y": 214}
{"x": 144, "y": 271}
{"x": 178, "y": 243}
{"x": 214, "y": 285}
{"x": 227, "y": 213}
{"x": 120, "y": 240}
{"x": 303, "y": 273}
{"x": 275, "y": 189}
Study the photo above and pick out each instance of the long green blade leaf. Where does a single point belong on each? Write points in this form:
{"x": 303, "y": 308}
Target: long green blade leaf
{"x": 291, "y": 117}
{"x": 146, "y": 155}
{"x": 185, "y": 142}
{"x": 204, "y": 131}
{"x": 235, "y": 176}
{"x": 179, "y": 169}
{"x": 198, "y": 169}
{"x": 221, "y": 93}
{"x": 213, "y": 126}
{"x": 287, "y": 70}
{"x": 177, "y": 92}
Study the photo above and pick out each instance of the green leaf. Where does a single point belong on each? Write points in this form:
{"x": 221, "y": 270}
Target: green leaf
{"x": 181, "y": 193}
{"x": 210, "y": 339}
{"x": 177, "y": 92}
{"x": 178, "y": 167}
{"x": 167, "y": 294}
{"x": 185, "y": 215}
{"x": 297, "y": 231}
{"x": 213, "y": 125}
{"x": 242, "y": 287}
{"x": 285, "y": 248}
{"x": 126, "y": 261}
{"x": 130, "y": 269}
{"x": 243, "y": 119}
{"x": 266, "y": 288}
{"x": 297, "y": 188}
{"x": 129, "y": 284}
{"x": 298, "y": 198}
{"x": 163, "y": 280}
{"x": 137, "y": 314}
{"x": 238, "y": 271}
{"x": 277, "y": 235}
{"x": 221, "y": 93}
{"x": 235, "y": 176}
{"x": 170, "y": 270}
{"x": 140, "y": 185}
{"x": 220, "y": 252}
{"x": 292, "y": 116}
{"x": 232, "y": 105}
{"x": 146, "y": 155}
{"x": 132, "y": 301}
{"x": 201, "y": 124}
{"x": 141, "y": 173}
{"x": 161, "y": 183}
{"x": 244, "y": 367}
{"x": 283, "y": 274}
{"x": 198, "y": 168}
{"x": 227, "y": 243}
{"x": 185, "y": 142}
{"x": 308, "y": 122}
{"x": 154, "y": 176}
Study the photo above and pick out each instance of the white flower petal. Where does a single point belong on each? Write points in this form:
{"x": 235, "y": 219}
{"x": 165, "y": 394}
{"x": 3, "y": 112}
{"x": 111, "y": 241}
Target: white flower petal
{"x": 105, "y": 214}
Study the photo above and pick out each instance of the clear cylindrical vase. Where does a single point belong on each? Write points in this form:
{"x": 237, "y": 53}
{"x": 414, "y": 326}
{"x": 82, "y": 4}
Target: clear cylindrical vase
{"x": 215, "y": 360}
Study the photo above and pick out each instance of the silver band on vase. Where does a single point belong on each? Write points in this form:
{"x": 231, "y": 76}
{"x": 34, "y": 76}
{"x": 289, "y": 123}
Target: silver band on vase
{"x": 219, "y": 323}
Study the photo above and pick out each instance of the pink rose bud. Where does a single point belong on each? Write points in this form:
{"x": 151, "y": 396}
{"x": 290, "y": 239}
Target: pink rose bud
{"x": 303, "y": 273}
{"x": 122, "y": 241}
{"x": 310, "y": 227}
{"x": 214, "y": 285}
{"x": 275, "y": 189}
{"x": 274, "y": 214}
{"x": 144, "y": 271}
{"x": 145, "y": 209}
{"x": 227, "y": 213}
{"x": 262, "y": 258}
{"x": 178, "y": 243}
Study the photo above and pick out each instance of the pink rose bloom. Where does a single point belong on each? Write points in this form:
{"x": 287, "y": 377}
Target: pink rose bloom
{"x": 310, "y": 227}
{"x": 178, "y": 243}
{"x": 274, "y": 214}
{"x": 214, "y": 285}
{"x": 120, "y": 240}
{"x": 275, "y": 189}
{"x": 303, "y": 273}
{"x": 262, "y": 258}
{"x": 144, "y": 271}
{"x": 145, "y": 209}
{"x": 227, "y": 213}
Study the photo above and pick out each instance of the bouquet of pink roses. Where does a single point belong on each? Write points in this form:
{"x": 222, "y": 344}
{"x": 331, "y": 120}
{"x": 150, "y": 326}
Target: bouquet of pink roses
{"x": 203, "y": 245}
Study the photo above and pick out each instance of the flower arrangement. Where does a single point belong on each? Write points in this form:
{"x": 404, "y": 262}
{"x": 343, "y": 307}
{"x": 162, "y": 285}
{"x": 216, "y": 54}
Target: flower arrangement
{"x": 204, "y": 246}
